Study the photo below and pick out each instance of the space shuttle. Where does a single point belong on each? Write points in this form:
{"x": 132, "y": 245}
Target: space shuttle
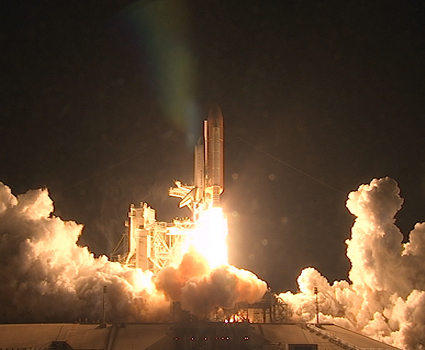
{"x": 152, "y": 245}
{"x": 208, "y": 168}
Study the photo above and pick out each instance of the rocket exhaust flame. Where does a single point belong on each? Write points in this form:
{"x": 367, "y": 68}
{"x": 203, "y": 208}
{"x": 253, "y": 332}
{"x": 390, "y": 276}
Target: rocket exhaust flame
{"x": 210, "y": 237}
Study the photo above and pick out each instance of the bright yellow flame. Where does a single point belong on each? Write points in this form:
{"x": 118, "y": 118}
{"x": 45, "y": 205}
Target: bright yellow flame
{"x": 235, "y": 318}
{"x": 210, "y": 237}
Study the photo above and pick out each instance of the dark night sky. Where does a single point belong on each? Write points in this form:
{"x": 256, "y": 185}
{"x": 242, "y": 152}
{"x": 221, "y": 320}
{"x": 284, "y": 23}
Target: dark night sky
{"x": 100, "y": 101}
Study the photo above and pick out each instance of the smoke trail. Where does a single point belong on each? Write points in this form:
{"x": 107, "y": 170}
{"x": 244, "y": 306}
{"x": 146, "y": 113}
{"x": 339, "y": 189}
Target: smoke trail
{"x": 46, "y": 277}
{"x": 386, "y": 296}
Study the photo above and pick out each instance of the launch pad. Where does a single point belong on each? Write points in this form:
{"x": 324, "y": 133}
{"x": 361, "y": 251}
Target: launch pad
{"x": 149, "y": 244}
{"x": 184, "y": 336}
{"x": 152, "y": 245}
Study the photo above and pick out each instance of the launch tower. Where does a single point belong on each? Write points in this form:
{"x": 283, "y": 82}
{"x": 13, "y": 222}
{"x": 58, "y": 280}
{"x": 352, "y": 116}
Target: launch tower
{"x": 151, "y": 245}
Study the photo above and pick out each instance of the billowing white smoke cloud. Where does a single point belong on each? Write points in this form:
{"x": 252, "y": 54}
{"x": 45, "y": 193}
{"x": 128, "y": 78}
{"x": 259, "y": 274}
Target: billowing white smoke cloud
{"x": 386, "y": 296}
{"x": 46, "y": 277}
{"x": 200, "y": 290}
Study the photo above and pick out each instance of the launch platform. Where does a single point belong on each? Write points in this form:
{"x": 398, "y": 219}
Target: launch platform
{"x": 184, "y": 336}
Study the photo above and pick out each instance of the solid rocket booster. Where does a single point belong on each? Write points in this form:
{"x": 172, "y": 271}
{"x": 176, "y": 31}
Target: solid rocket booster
{"x": 208, "y": 168}
{"x": 199, "y": 171}
{"x": 214, "y": 155}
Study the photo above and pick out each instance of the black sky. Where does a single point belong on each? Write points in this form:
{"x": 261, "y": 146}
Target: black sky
{"x": 318, "y": 97}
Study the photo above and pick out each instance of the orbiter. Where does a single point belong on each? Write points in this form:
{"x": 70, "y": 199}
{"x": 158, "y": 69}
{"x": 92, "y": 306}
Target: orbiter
{"x": 208, "y": 168}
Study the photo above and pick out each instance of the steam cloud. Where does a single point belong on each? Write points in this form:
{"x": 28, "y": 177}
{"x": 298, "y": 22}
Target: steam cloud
{"x": 386, "y": 299}
{"x": 200, "y": 291}
{"x": 46, "y": 277}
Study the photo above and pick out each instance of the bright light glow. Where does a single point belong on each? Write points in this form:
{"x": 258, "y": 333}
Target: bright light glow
{"x": 210, "y": 237}
{"x": 235, "y": 319}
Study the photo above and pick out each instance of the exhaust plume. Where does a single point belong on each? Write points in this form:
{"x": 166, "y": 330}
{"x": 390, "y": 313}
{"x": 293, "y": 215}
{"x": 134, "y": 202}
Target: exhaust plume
{"x": 200, "y": 293}
{"x": 47, "y": 277}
